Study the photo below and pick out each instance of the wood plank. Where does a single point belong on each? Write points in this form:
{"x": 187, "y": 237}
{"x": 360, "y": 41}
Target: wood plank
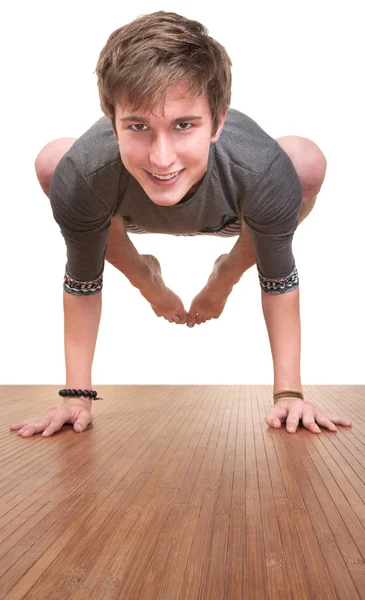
{"x": 184, "y": 493}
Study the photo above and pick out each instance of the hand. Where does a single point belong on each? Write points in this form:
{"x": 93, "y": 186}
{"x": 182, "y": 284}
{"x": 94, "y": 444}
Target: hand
{"x": 291, "y": 410}
{"x": 76, "y": 412}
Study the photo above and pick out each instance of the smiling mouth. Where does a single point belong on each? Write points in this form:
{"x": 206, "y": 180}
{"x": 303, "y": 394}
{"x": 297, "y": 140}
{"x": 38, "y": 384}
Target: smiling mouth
{"x": 166, "y": 177}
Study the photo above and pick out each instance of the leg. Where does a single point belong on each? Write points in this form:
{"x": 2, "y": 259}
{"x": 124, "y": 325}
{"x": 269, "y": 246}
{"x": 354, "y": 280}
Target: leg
{"x": 143, "y": 271}
{"x": 48, "y": 159}
{"x": 310, "y": 164}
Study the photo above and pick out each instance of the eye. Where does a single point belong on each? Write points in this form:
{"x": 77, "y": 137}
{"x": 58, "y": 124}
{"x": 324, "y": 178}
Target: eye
{"x": 186, "y": 126}
{"x": 138, "y": 127}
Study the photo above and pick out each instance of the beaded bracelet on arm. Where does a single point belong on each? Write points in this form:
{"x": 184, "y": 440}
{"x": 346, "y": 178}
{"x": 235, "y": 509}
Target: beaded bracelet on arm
{"x": 92, "y": 394}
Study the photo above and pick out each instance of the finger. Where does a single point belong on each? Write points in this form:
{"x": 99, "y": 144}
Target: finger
{"x": 273, "y": 421}
{"x": 309, "y": 423}
{"x": 276, "y": 416}
{"x": 198, "y": 319}
{"x": 35, "y": 426}
{"x": 339, "y": 420}
{"x": 323, "y": 420}
{"x": 17, "y": 425}
{"x": 309, "y": 417}
{"x": 293, "y": 419}
{"x": 24, "y": 423}
{"x": 27, "y": 431}
{"x": 57, "y": 422}
{"x": 176, "y": 319}
{"x": 82, "y": 423}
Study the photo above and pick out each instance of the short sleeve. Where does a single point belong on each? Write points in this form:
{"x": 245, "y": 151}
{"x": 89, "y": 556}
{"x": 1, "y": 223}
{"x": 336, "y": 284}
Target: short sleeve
{"x": 84, "y": 222}
{"x": 272, "y": 217}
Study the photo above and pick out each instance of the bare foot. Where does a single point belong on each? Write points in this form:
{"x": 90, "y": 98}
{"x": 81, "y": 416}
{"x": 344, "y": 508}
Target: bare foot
{"x": 163, "y": 300}
{"x": 210, "y": 302}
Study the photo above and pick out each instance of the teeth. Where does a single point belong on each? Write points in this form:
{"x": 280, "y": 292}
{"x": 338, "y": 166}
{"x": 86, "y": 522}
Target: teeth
{"x": 166, "y": 176}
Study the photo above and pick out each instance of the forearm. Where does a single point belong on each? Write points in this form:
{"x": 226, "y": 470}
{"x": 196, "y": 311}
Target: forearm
{"x": 81, "y": 324}
{"x": 282, "y": 317}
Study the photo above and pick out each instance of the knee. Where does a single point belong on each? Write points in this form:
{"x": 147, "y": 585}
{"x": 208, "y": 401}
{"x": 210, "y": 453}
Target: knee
{"x": 48, "y": 159}
{"x": 309, "y": 162}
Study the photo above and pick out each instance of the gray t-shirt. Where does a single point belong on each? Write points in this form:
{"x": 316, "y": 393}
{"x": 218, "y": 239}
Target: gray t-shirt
{"x": 249, "y": 176}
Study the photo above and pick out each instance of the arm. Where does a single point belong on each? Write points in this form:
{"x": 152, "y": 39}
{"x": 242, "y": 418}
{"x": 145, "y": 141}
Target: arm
{"x": 282, "y": 317}
{"x": 81, "y": 324}
{"x": 84, "y": 222}
{"x": 81, "y": 320}
{"x": 272, "y": 221}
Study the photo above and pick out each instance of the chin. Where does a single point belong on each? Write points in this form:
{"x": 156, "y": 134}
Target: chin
{"x": 160, "y": 202}
{"x": 164, "y": 198}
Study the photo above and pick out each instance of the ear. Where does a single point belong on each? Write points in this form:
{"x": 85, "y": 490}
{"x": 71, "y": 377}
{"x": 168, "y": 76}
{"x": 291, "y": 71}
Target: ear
{"x": 220, "y": 127}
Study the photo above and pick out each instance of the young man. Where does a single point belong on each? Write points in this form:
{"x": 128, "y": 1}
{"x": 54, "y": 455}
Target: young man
{"x": 171, "y": 157}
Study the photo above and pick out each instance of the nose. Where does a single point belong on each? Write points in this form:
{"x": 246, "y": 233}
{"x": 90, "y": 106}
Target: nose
{"x": 162, "y": 153}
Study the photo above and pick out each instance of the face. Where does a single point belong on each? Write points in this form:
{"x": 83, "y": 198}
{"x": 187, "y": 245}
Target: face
{"x": 166, "y": 150}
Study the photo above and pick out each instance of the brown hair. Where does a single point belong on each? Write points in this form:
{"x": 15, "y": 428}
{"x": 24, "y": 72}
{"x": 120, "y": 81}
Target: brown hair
{"x": 144, "y": 58}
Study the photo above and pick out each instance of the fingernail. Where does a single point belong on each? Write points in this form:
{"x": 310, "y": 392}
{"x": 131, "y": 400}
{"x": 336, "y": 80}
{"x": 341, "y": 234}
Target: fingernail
{"x": 291, "y": 428}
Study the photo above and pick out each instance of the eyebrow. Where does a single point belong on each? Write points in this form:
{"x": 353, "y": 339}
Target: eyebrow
{"x": 141, "y": 119}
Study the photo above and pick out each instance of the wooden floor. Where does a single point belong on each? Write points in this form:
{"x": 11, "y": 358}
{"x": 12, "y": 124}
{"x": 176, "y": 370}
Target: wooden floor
{"x": 182, "y": 493}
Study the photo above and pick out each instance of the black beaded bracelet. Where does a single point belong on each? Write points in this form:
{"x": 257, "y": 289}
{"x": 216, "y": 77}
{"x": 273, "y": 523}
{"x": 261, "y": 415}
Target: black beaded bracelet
{"x": 78, "y": 393}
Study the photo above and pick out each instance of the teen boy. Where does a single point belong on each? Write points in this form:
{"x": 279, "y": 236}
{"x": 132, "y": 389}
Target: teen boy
{"x": 171, "y": 157}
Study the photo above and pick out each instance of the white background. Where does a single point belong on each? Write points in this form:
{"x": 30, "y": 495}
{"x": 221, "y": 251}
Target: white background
{"x": 297, "y": 70}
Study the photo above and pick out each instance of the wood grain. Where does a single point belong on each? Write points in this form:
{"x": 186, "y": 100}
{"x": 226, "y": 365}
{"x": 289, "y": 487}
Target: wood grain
{"x": 182, "y": 493}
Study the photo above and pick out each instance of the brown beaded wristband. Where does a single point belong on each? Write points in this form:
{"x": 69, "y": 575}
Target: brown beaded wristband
{"x": 288, "y": 394}
{"x": 78, "y": 393}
